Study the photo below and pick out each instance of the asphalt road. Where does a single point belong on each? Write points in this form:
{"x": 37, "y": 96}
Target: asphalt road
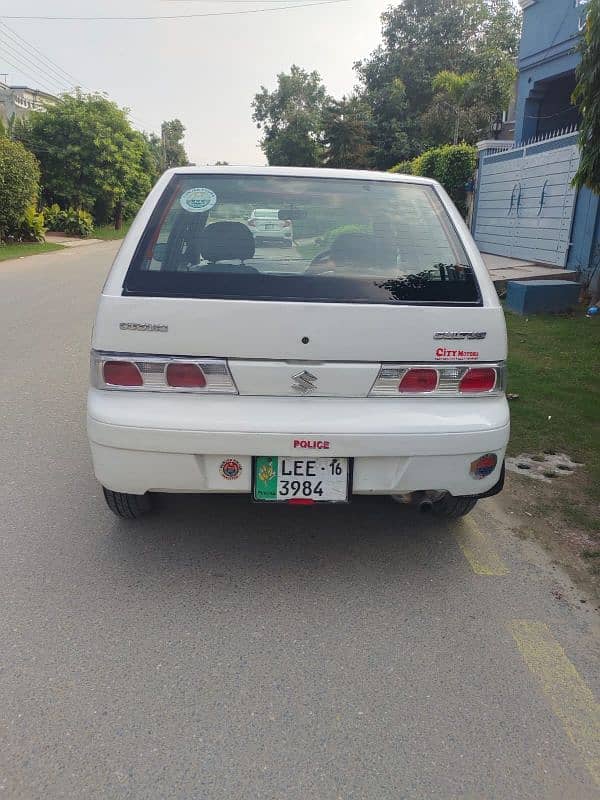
{"x": 222, "y": 650}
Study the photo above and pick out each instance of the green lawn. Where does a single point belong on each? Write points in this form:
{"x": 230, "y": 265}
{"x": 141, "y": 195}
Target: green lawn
{"x": 554, "y": 367}
{"x": 108, "y": 232}
{"x": 8, "y": 251}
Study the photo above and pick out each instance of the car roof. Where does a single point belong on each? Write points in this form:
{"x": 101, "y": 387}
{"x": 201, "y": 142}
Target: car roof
{"x": 303, "y": 172}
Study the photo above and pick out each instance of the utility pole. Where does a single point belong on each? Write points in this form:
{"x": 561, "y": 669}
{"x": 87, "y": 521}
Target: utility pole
{"x": 164, "y": 146}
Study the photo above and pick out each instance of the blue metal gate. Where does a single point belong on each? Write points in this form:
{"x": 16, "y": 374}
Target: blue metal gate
{"x": 525, "y": 201}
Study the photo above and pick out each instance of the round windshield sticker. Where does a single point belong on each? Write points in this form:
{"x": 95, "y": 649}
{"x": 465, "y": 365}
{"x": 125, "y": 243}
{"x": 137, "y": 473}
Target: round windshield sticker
{"x": 198, "y": 200}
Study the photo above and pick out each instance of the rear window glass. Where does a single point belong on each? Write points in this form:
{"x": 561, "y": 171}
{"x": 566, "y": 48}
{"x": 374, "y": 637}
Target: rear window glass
{"x": 266, "y": 213}
{"x": 301, "y": 239}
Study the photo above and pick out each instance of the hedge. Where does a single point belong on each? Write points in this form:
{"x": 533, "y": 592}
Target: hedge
{"x": 19, "y": 185}
{"x": 452, "y": 165}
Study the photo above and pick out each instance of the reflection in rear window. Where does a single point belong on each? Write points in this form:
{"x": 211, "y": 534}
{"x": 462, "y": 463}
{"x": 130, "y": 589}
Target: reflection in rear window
{"x": 253, "y": 237}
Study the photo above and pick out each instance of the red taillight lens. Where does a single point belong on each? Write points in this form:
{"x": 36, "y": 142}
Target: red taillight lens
{"x": 185, "y": 376}
{"x": 419, "y": 380}
{"x": 121, "y": 373}
{"x": 478, "y": 379}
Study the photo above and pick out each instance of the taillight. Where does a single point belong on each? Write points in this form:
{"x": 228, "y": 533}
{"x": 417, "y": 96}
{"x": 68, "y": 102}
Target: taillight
{"x": 185, "y": 376}
{"x": 437, "y": 380}
{"x": 419, "y": 380}
{"x": 160, "y": 373}
{"x": 477, "y": 379}
{"x": 121, "y": 373}
{"x": 287, "y": 223}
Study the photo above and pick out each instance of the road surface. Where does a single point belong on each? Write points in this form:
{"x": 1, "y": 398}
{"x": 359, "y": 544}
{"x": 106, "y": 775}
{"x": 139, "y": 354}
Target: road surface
{"x": 223, "y": 650}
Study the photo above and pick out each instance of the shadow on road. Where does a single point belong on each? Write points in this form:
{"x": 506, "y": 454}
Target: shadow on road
{"x": 232, "y": 539}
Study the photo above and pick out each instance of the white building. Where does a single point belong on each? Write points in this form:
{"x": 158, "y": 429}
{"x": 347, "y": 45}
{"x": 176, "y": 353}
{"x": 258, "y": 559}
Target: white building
{"x": 18, "y": 101}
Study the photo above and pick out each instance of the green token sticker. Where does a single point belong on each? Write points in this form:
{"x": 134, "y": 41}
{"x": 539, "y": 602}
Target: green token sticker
{"x": 265, "y": 481}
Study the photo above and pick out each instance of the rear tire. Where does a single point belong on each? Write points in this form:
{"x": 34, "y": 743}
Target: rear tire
{"x": 453, "y": 507}
{"x": 127, "y": 506}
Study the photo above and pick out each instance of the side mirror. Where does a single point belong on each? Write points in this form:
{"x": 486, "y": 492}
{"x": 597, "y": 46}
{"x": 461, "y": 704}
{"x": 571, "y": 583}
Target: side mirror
{"x": 292, "y": 213}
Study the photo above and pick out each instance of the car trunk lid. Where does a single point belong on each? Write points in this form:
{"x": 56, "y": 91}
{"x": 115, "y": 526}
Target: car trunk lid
{"x": 271, "y": 346}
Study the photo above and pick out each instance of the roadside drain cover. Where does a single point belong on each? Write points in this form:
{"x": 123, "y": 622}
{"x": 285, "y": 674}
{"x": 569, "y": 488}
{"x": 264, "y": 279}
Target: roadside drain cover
{"x": 542, "y": 467}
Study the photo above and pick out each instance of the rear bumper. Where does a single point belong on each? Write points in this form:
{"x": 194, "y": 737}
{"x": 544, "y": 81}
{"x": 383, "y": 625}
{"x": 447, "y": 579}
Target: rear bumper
{"x": 272, "y": 235}
{"x": 147, "y": 442}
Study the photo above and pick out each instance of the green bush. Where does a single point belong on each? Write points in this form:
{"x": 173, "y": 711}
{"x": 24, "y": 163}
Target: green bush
{"x": 403, "y": 168}
{"x": 78, "y": 223}
{"x": 19, "y": 186}
{"x": 74, "y": 222}
{"x": 428, "y": 163}
{"x": 333, "y": 234}
{"x": 31, "y": 227}
{"x": 452, "y": 165}
{"x": 456, "y": 167}
{"x": 54, "y": 217}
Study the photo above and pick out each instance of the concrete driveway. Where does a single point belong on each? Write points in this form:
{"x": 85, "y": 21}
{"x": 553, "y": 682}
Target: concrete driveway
{"x": 225, "y": 651}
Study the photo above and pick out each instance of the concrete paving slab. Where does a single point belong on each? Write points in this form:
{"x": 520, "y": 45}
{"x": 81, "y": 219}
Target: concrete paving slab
{"x": 504, "y": 269}
{"x": 69, "y": 241}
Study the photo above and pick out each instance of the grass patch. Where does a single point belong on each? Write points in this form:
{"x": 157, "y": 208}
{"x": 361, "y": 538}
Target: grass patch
{"x": 553, "y": 365}
{"x": 8, "y": 251}
{"x": 581, "y": 518}
{"x": 108, "y": 232}
{"x": 591, "y": 554}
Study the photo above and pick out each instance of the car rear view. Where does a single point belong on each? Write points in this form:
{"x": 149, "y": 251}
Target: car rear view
{"x": 266, "y": 226}
{"x": 367, "y": 358}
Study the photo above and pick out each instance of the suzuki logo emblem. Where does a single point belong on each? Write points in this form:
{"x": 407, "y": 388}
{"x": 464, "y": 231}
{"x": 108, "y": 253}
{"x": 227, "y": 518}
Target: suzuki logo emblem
{"x": 304, "y": 382}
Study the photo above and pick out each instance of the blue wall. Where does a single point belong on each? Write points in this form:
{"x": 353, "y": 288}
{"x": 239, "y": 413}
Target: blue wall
{"x": 585, "y": 234}
{"x": 548, "y": 58}
{"x": 551, "y": 34}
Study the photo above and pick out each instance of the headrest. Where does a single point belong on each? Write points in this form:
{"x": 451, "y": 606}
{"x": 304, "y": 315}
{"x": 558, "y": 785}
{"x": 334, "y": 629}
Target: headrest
{"x": 222, "y": 241}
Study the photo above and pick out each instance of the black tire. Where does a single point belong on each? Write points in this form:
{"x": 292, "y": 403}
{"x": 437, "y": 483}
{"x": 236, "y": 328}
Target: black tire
{"x": 453, "y": 507}
{"x": 127, "y": 506}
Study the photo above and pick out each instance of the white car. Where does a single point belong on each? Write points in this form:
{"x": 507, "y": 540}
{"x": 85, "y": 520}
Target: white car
{"x": 267, "y": 226}
{"x": 371, "y": 362}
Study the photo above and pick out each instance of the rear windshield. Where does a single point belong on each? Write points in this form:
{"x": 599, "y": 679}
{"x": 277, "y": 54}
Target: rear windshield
{"x": 324, "y": 240}
{"x": 267, "y": 213}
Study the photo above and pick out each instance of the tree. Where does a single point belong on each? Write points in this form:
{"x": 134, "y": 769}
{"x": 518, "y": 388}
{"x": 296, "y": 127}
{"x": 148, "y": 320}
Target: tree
{"x": 346, "y": 134}
{"x": 422, "y": 38}
{"x": 172, "y": 133}
{"x": 290, "y": 117}
{"x": 7, "y": 128}
{"x": 456, "y": 91}
{"x": 155, "y": 153}
{"x": 19, "y": 184}
{"x": 90, "y": 156}
{"x": 587, "y": 97}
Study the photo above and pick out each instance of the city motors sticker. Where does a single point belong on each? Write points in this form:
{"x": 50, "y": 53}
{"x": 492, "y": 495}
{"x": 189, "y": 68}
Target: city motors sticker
{"x": 444, "y": 354}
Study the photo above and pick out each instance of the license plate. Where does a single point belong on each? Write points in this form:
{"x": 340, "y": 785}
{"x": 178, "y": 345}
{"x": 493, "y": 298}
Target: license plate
{"x": 295, "y": 480}
{"x": 271, "y": 227}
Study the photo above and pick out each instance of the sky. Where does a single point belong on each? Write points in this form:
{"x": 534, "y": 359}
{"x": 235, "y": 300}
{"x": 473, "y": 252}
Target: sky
{"x": 204, "y": 71}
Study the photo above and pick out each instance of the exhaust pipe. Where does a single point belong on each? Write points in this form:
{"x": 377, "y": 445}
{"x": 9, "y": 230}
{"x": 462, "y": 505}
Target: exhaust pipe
{"x": 425, "y": 506}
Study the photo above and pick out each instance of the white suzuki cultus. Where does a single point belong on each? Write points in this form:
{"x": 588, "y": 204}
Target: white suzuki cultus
{"x": 366, "y": 359}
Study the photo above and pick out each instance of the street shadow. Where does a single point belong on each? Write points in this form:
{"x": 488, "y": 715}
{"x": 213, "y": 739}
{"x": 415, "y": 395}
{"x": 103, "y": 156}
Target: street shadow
{"x": 233, "y": 539}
